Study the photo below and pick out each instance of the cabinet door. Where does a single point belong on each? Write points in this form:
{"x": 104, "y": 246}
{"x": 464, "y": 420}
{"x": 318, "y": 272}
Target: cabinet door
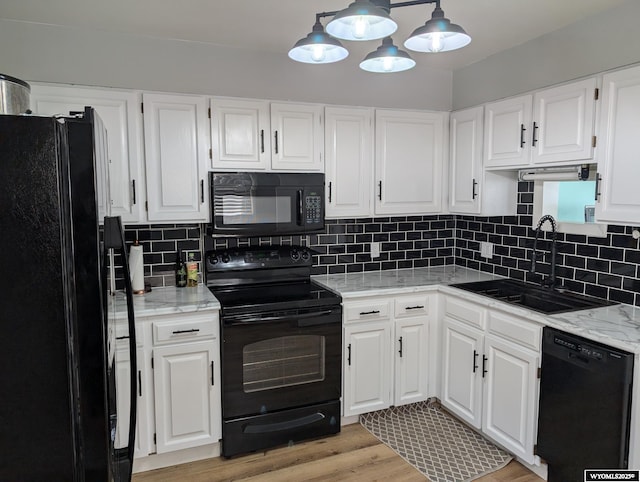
{"x": 462, "y": 371}
{"x": 510, "y": 396}
{"x": 466, "y": 161}
{"x": 349, "y": 162}
{"x": 186, "y": 383}
{"x": 296, "y": 137}
{"x": 619, "y": 199}
{"x": 367, "y": 368}
{"x": 123, "y": 391}
{"x": 176, "y": 142}
{"x": 506, "y": 132}
{"x": 563, "y": 123}
{"x": 411, "y": 365}
{"x": 408, "y": 162}
{"x": 240, "y": 134}
{"x": 119, "y": 111}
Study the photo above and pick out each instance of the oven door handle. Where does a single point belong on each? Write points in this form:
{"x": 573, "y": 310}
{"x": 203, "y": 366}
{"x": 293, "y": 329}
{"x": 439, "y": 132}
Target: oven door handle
{"x": 304, "y": 319}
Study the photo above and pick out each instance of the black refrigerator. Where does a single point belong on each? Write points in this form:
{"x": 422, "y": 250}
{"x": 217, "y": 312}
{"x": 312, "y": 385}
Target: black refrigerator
{"x": 57, "y": 340}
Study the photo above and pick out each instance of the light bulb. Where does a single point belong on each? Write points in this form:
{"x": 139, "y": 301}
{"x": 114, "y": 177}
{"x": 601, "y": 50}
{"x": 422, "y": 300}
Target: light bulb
{"x": 318, "y": 53}
{"x": 387, "y": 64}
{"x": 437, "y": 42}
{"x": 360, "y": 27}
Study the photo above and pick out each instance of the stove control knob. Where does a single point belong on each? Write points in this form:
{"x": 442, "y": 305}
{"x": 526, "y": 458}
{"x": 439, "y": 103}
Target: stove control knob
{"x": 305, "y": 255}
{"x": 213, "y": 259}
{"x": 295, "y": 255}
{"x": 225, "y": 258}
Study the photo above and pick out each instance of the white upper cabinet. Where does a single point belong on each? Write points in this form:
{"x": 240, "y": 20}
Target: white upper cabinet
{"x": 553, "y": 126}
{"x": 619, "y": 148}
{"x": 505, "y": 132}
{"x": 472, "y": 190}
{"x": 409, "y": 162}
{"x": 297, "y": 137}
{"x": 563, "y": 123}
{"x": 240, "y": 134}
{"x": 465, "y": 152}
{"x": 120, "y": 114}
{"x": 176, "y": 134}
{"x": 349, "y": 161}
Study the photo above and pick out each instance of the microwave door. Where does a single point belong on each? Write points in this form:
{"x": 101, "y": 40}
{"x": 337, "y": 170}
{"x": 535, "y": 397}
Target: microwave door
{"x": 257, "y": 210}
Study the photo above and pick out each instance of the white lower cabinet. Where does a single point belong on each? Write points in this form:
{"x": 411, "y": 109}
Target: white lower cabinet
{"x": 184, "y": 386}
{"x": 367, "y": 369}
{"x": 489, "y": 378}
{"x": 386, "y": 348}
{"x": 123, "y": 394}
{"x": 179, "y": 398}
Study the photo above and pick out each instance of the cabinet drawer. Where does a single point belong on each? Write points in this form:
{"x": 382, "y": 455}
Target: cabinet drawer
{"x": 187, "y": 329}
{"x": 370, "y": 310}
{"x": 523, "y": 332}
{"x": 464, "y": 311}
{"x": 411, "y": 306}
{"x": 122, "y": 333}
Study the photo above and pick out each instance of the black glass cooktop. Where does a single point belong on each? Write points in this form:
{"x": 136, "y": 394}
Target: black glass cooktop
{"x": 274, "y": 296}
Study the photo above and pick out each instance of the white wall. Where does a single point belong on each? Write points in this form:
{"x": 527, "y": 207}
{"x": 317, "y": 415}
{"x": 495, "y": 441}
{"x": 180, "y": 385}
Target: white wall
{"x": 592, "y": 45}
{"x": 45, "y": 53}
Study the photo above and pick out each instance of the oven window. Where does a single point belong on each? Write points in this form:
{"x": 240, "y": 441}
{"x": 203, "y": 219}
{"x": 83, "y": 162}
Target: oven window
{"x": 283, "y": 361}
{"x": 256, "y": 209}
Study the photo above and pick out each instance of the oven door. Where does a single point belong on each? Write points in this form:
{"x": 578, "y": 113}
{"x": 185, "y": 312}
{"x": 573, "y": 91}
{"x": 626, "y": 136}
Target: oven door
{"x": 278, "y": 360}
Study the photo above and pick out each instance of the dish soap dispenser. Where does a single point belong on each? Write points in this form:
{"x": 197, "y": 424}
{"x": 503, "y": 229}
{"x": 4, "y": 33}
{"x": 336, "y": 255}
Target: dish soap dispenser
{"x": 181, "y": 271}
{"x": 192, "y": 271}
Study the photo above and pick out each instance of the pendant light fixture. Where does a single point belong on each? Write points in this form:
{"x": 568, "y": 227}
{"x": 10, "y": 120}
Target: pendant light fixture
{"x": 387, "y": 58}
{"x": 437, "y": 35}
{"x": 362, "y": 20}
{"x": 318, "y": 47}
{"x": 369, "y": 20}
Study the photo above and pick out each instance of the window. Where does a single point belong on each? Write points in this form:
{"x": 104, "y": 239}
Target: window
{"x": 570, "y": 201}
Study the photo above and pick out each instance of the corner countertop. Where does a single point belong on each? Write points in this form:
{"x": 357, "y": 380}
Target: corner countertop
{"x": 616, "y": 325}
{"x": 166, "y": 301}
{"x": 398, "y": 281}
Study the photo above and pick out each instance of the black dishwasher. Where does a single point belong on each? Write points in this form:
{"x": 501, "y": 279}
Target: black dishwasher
{"x": 585, "y": 401}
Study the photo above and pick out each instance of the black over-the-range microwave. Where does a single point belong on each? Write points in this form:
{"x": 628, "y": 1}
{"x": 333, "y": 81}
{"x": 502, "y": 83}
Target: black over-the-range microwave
{"x": 266, "y": 203}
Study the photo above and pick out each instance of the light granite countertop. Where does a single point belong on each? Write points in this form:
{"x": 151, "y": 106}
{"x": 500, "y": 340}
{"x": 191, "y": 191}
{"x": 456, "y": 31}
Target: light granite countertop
{"x": 166, "y": 301}
{"x": 616, "y": 325}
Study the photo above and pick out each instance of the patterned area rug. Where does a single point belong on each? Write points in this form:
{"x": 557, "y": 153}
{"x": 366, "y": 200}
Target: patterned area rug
{"x": 440, "y": 447}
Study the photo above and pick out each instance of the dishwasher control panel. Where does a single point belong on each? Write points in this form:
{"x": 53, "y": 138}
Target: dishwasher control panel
{"x": 588, "y": 351}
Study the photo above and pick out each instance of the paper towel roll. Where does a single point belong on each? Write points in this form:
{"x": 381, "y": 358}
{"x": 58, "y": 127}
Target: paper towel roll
{"x": 136, "y": 268}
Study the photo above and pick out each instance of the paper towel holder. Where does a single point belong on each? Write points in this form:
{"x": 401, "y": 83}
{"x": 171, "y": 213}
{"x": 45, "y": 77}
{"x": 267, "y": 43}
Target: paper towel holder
{"x": 137, "y": 271}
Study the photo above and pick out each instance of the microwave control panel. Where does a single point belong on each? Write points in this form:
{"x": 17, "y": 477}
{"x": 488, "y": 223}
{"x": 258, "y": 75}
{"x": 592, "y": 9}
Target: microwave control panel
{"x": 313, "y": 209}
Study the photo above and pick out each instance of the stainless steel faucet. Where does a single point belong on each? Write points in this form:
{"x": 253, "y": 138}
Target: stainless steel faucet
{"x": 551, "y": 279}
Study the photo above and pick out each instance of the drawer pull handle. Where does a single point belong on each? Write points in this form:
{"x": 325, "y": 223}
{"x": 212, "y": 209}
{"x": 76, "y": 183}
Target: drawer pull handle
{"x": 124, "y": 337}
{"x": 417, "y": 307}
{"x": 180, "y": 332}
{"x": 374, "y": 312}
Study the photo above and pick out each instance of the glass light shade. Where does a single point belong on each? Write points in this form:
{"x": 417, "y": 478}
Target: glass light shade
{"x": 318, "y": 48}
{"x": 362, "y": 20}
{"x": 387, "y": 58}
{"x": 437, "y": 35}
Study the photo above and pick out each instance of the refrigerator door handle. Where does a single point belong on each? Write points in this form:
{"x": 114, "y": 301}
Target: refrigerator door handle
{"x": 114, "y": 239}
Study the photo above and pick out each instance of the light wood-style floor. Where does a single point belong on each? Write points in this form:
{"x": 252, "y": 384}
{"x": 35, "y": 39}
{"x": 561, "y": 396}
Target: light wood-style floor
{"x": 353, "y": 455}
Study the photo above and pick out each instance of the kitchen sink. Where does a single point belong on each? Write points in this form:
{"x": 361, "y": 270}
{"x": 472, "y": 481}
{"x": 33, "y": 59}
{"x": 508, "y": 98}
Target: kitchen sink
{"x": 534, "y": 297}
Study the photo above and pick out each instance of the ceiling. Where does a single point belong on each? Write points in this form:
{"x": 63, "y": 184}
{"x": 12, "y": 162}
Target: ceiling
{"x": 275, "y": 25}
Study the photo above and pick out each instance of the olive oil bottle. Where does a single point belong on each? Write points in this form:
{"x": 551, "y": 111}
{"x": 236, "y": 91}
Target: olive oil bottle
{"x": 181, "y": 271}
